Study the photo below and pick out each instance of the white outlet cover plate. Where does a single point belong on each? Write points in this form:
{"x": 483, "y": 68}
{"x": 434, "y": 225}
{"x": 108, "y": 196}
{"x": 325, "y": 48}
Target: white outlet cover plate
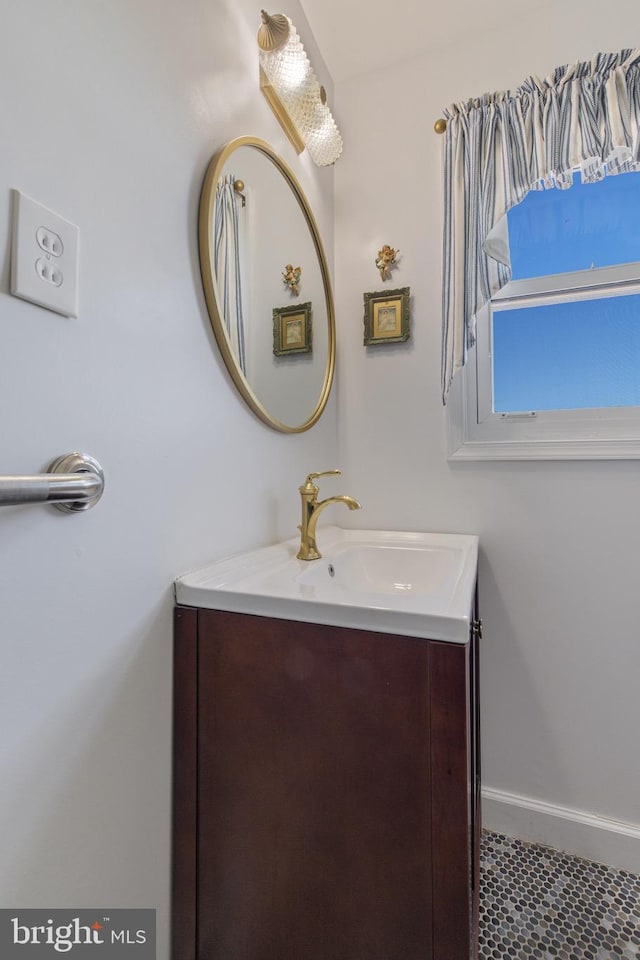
{"x": 44, "y": 257}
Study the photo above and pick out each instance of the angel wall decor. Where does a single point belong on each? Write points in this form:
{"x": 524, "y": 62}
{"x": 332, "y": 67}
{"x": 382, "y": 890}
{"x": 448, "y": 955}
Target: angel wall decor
{"x": 291, "y": 278}
{"x": 386, "y": 259}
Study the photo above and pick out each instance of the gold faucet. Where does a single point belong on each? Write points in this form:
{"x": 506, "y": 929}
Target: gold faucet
{"x": 311, "y": 510}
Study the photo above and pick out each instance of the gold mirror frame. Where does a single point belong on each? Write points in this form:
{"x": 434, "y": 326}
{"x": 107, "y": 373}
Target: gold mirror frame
{"x": 205, "y": 243}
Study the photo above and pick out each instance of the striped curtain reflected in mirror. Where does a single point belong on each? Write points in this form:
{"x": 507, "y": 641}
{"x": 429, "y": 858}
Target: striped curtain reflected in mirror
{"x": 227, "y": 266}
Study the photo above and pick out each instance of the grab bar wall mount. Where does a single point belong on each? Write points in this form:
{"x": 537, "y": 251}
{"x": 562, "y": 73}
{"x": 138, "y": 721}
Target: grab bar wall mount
{"x": 74, "y": 482}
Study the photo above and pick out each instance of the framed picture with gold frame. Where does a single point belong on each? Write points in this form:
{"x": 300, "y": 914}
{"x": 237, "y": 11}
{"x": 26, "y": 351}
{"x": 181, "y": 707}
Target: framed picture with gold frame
{"x": 386, "y": 316}
{"x": 292, "y": 329}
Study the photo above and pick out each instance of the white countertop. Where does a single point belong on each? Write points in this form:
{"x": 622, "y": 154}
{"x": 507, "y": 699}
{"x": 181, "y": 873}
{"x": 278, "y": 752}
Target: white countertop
{"x": 412, "y": 584}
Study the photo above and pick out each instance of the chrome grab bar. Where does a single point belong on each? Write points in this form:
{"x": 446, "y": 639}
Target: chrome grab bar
{"x": 73, "y": 482}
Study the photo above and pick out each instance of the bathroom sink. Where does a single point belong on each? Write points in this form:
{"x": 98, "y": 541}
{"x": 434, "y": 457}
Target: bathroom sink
{"x": 415, "y": 584}
{"x": 382, "y": 568}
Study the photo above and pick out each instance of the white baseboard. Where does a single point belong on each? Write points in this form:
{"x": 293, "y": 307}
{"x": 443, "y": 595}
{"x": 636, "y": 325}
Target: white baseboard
{"x": 583, "y": 834}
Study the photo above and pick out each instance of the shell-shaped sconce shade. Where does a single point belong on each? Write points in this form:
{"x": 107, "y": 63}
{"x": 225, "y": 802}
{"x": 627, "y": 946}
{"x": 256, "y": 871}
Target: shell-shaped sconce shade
{"x": 274, "y": 31}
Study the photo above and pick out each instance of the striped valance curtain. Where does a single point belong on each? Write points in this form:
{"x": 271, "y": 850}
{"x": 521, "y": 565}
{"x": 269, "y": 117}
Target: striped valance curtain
{"x": 500, "y": 146}
{"x": 227, "y": 256}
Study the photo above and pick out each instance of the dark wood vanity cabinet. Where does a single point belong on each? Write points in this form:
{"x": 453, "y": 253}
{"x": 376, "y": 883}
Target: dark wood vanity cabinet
{"x": 325, "y": 792}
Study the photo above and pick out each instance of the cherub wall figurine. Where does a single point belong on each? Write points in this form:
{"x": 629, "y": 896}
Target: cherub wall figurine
{"x": 386, "y": 259}
{"x": 291, "y": 278}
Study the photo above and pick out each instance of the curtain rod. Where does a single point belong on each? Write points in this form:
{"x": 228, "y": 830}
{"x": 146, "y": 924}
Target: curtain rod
{"x": 440, "y": 125}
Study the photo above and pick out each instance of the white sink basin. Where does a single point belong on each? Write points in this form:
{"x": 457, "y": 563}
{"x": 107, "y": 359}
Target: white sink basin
{"x": 383, "y": 568}
{"x": 414, "y": 584}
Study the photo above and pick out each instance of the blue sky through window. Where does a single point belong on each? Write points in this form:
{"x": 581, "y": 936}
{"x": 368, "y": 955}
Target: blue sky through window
{"x": 558, "y": 231}
{"x": 579, "y": 354}
{"x": 565, "y": 356}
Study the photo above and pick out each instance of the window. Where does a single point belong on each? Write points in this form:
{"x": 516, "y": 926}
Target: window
{"x": 556, "y": 367}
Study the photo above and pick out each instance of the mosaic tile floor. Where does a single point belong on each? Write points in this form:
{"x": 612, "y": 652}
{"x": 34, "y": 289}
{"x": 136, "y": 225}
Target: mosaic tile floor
{"x": 539, "y": 904}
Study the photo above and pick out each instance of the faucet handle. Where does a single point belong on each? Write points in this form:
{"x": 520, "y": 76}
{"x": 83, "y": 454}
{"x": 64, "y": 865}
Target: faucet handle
{"x": 325, "y": 473}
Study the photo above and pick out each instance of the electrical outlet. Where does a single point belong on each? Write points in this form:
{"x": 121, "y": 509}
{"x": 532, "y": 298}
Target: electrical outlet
{"x": 44, "y": 257}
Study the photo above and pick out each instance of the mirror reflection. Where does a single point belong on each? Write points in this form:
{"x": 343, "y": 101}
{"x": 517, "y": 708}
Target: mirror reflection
{"x": 267, "y": 285}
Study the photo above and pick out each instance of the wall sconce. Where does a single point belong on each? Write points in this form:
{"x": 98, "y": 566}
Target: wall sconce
{"x": 294, "y": 94}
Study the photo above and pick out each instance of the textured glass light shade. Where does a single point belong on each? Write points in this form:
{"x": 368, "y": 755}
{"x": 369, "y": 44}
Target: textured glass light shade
{"x": 288, "y": 73}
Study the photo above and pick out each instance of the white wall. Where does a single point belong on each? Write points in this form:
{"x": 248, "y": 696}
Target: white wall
{"x": 110, "y": 112}
{"x": 559, "y": 570}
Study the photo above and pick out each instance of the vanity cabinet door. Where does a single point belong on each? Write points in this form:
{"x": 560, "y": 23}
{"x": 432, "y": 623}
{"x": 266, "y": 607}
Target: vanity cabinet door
{"x": 331, "y": 813}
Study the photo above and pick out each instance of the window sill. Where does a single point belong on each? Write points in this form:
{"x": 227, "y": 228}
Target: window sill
{"x": 578, "y": 435}
{"x": 546, "y": 450}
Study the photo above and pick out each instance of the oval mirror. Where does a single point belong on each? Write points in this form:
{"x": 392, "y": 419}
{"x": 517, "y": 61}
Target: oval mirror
{"x": 266, "y": 284}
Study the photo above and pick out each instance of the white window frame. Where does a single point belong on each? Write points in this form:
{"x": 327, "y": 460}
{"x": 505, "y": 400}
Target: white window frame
{"x": 475, "y": 432}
